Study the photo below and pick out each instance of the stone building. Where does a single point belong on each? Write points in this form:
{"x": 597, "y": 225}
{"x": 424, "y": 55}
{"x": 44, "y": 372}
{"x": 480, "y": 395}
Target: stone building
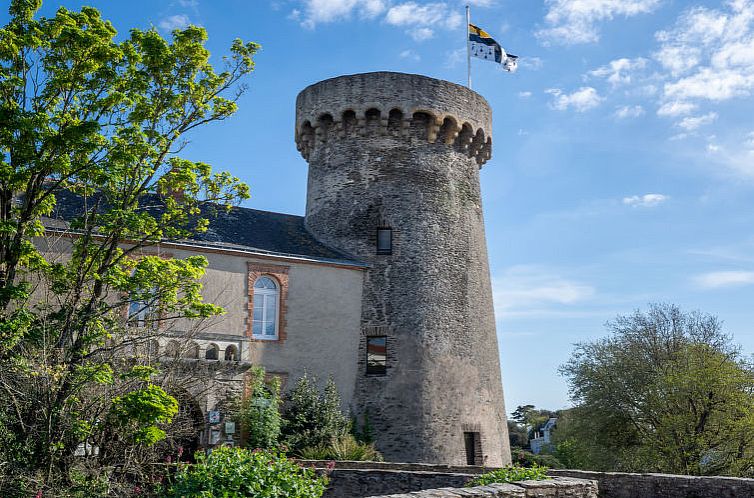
{"x": 383, "y": 284}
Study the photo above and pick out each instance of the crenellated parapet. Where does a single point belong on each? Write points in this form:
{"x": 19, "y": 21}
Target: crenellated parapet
{"x": 402, "y": 106}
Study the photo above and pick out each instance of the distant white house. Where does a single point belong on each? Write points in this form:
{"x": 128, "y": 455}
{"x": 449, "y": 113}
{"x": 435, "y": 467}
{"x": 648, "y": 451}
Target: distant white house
{"x": 541, "y": 437}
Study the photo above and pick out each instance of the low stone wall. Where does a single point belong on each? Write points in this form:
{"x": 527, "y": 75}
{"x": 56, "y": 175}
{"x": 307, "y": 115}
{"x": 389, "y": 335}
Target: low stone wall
{"x": 623, "y": 485}
{"x": 370, "y": 479}
{"x": 353, "y": 483}
{"x": 559, "y": 487}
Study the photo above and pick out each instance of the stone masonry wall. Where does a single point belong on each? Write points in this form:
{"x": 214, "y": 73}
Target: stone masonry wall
{"x": 359, "y": 479}
{"x": 404, "y": 151}
{"x": 624, "y": 485}
{"x": 561, "y": 487}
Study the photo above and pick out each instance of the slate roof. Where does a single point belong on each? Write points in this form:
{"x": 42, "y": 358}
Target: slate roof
{"x": 240, "y": 229}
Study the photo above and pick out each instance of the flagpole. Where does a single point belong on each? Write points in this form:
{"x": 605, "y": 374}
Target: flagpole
{"x": 468, "y": 47}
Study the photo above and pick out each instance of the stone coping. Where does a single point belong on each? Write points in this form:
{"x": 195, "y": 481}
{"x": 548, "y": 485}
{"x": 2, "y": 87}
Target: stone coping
{"x": 559, "y": 487}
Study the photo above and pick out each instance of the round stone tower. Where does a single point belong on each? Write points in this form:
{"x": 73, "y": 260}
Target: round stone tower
{"x": 394, "y": 165}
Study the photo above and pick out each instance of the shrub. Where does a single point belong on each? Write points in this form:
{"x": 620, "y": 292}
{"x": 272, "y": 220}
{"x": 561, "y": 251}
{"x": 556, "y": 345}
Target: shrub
{"x": 238, "y": 472}
{"x": 259, "y": 413}
{"x": 524, "y": 458}
{"x": 343, "y": 448}
{"x": 312, "y": 418}
{"x": 511, "y": 474}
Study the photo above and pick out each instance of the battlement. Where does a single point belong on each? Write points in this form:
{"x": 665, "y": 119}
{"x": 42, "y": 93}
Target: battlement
{"x": 402, "y": 106}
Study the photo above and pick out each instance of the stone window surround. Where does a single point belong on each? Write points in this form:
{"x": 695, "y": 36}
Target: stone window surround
{"x": 280, "y": 274}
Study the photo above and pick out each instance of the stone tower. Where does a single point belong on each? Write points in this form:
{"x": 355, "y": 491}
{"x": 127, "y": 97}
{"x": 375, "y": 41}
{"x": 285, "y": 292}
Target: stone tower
{"x": 394, "y": 165}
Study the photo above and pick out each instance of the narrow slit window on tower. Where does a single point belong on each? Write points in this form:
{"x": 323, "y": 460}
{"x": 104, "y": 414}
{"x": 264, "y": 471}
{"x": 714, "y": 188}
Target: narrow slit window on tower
{"x": 384, "y": 240}
{"x": 377, "y": 355}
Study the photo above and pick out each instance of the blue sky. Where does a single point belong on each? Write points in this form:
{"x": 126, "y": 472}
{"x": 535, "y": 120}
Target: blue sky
{"x": 623, "y": 148}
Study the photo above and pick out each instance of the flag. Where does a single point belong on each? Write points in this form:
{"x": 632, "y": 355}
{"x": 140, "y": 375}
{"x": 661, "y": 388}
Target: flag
{"x": 482, "y": 45}
{"x": 511, "y": 63}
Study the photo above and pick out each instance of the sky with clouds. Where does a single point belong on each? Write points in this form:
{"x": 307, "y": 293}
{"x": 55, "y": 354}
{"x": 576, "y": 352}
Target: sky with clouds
{"x": 623, "y": 148}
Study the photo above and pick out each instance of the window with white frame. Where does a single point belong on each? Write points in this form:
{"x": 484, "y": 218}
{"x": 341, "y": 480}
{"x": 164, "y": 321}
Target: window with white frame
{"x": 265, "y": 317}
{"x": 141, "y": 311}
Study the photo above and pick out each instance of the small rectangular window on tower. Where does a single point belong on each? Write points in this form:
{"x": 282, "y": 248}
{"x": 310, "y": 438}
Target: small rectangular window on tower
{"x": 384, "y": 240}
{"x": 377, "y": 355}
{"x": 473, "y": 445}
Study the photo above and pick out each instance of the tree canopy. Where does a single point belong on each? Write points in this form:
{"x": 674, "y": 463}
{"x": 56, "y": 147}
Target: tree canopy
{"x": 667, "y": 391}
{"x": 99, "y": 120}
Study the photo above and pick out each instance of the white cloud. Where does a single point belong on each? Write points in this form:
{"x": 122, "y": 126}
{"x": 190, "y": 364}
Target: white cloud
{"x": 178, "y": 21}
{"x": 719, "y": 279}
{"x": 581, "y": 100}
{"x": 629, "y": 111}
{"x": 188, "y": 3}
{"x": 421, "y": 34}
{"x": 482, "y": 3}
{"x": 749, "y": 140}
{"x": 691, "y": 123}
{"x": 619, "y": 71}
{"x": 709, "y": 55}
{"x": 315, "y": 12}
{"x": 425, "y": 15}
{"x": 524, "y": 95}
{"x": 410, "y": 54}
{"x": 575, "y": 21}
{"x": 526, "y": 286}
{"x": 676, "y": 108}
{"x": 530, "y": 63}
{"x": 712, "y": 84}
{"x": 454, "y": 57}
{"x": 646, "y": 200}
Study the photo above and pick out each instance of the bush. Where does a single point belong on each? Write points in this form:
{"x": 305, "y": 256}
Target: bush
{"x": 311, "y": 418}
{"x": 343, "y": 448}
{"x": 511, "y": 474}
{"x": 524, "y": 458}
{"x": 259, "y": 413}
{"x": 238, "y": 472}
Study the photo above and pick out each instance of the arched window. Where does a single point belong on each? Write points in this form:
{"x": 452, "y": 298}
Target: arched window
{"x": 231, "y": 353}
{"x": 265, "y": 318}
{"x": 212, "y": 352}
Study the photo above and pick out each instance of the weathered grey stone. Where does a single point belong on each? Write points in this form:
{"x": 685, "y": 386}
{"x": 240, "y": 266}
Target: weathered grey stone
{"x": 626, "y": 485}
{"x": 558, "y": 488}
{"x": 400, "y": 150}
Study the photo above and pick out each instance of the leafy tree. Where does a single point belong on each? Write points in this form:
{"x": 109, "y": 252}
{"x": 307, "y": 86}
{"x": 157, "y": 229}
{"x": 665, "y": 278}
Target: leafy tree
{"x": 98, "y": 123}
{"x": 667, "y": 391}
{"x": 313, "y": 418}
{"x": 259, "y": 412}
{"x": 525, "y": 421}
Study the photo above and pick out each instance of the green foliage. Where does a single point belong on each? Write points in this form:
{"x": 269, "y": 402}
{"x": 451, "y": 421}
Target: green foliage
{"x": 666, "y": 392}
{"x": 259, "y": 413}
{"x": 524, "y": 458}
{"x": 142, "y": 409}
{"x": 511, "y": 474}
{"x": 518, "y": 434}
{"x": 344, "y": 448}
{"x": 239, "y": 473}
{"x": 97, "y": 121}
{"x": 312, "y": 418}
